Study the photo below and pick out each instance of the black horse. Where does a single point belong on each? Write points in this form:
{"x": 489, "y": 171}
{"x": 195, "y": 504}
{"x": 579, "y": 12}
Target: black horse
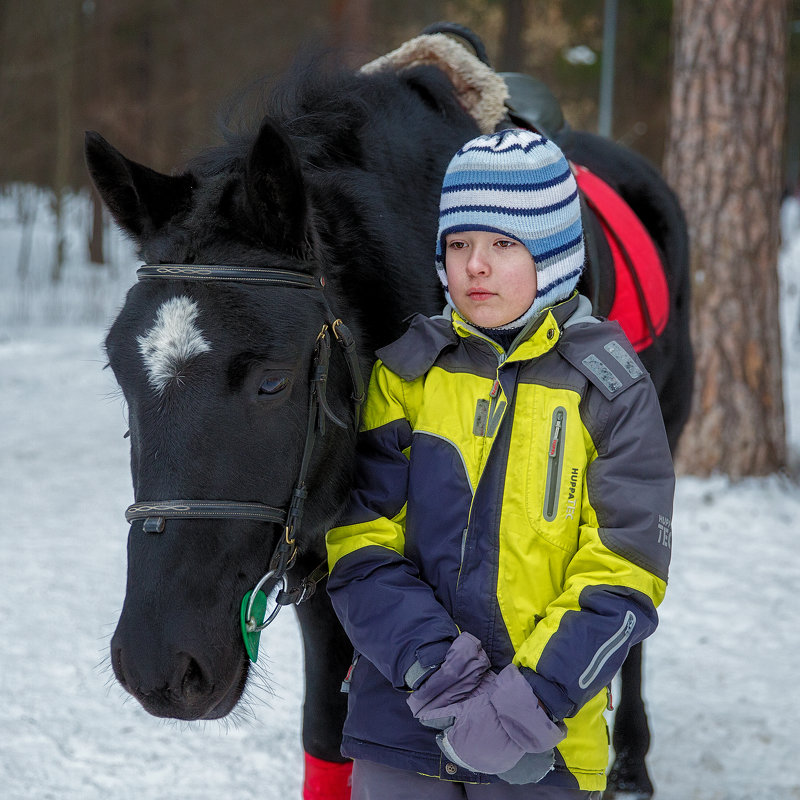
{"x": 234, "y": 356}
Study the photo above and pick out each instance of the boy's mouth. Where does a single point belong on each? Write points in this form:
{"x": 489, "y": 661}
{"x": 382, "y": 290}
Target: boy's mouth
{"x": 479, "y": 294}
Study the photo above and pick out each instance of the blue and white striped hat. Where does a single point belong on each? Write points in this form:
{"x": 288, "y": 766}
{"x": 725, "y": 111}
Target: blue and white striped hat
{"x": 517, "y": 183}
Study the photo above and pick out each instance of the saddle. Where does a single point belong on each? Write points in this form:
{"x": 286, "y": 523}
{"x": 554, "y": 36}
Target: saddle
{"x": 624, "y": 263}
{"x": 624, "y": 276}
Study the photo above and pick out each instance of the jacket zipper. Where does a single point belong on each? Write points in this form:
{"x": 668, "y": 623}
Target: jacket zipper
{"x": 493, "y": 395}
{"x": 345, "y": 689}
{"x": 555, "y": 460}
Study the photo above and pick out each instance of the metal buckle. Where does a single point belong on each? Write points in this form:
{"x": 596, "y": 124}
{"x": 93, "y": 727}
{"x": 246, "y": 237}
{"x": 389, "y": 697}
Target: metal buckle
{"x": 307, "y": 590}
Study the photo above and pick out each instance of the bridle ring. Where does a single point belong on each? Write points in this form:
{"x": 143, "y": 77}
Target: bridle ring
{"x": 249, "y": 622}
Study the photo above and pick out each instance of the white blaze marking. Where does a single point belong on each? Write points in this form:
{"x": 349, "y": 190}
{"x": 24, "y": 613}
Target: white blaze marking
{"x": 171, "y": 342}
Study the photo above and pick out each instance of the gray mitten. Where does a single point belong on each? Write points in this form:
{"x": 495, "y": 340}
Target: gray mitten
{"x": 531, "y": 768}
{"x": 466, "y": 666}
{"x": 495, "y": 725}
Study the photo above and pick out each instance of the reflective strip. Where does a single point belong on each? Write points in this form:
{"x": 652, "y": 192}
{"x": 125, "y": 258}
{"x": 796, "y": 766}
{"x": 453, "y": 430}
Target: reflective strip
{"x": 415, "y": 673}
{"x": 603, "y": 373}
{"x": 607, "y": 650}
{"x": 618, "y": 352}
{"x": 481, "y": 415}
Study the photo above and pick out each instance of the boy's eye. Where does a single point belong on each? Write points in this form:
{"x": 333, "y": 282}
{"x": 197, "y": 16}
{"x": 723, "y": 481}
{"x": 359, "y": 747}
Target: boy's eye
{"x": 456, "y": 245}
{"x": 505, "y": 243}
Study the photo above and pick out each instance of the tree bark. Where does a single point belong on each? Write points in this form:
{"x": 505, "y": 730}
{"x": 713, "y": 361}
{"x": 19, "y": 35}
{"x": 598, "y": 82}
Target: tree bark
{"x": 65, "y": 18}
{"x": 723, "y": 159}
{"x": 512, "y": 48}
{"x": 97, "y": 233}
{"x": 351, "y": 22}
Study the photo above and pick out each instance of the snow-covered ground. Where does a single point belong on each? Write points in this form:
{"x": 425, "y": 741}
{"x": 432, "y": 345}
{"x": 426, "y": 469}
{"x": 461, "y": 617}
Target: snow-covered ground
{"x": 722, "y": 693}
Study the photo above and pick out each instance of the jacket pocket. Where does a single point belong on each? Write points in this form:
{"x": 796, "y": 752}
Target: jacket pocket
{"x": 554, "y": 481}
{"x": 555, "y": 462}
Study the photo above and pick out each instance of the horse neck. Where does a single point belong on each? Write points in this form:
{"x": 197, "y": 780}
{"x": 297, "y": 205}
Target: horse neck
{"x": 376, "y": 286}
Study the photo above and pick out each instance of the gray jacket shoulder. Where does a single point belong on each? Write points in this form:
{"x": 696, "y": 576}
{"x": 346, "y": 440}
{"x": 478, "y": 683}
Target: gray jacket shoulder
{"x": 622, "y": 414}
{"x": 414, "y": 353}
{"x": 602, "y": 353}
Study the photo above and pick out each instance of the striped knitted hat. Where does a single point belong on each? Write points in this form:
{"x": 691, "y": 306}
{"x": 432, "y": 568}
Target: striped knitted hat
{"x": 517, "y": 183}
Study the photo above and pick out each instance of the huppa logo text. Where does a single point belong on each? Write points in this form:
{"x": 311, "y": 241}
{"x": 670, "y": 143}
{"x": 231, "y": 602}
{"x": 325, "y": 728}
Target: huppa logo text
{"x": 572, "y": 502}
{"x": 665, "y": 531}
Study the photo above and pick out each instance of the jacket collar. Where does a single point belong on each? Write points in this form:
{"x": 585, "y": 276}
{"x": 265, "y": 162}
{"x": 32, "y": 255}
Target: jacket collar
{"x": 415, "y": 352}
{"x": 539, "y": 335}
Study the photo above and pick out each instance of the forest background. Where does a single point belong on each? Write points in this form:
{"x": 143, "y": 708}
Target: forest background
{"x": 708, "y": 88}
{"x": 153, "y": 76}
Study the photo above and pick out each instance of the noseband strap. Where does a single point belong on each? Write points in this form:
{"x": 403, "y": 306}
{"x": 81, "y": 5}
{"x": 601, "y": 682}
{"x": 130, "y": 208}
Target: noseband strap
{"x": 208, "y": 272}
{"x": 155, "y": 513}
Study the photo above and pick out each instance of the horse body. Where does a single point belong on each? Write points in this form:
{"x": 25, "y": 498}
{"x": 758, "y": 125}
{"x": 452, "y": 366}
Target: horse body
{"x": 342, "y": 181}
{"x": 669, "y": 359}
{"x": 327, "y": 186}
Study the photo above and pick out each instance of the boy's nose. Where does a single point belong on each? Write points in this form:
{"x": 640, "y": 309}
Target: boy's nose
{"x": 477, "y": 264}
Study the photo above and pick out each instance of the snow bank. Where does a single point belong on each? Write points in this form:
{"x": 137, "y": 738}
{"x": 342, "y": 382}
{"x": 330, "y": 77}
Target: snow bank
{"x": 719, "y": 676}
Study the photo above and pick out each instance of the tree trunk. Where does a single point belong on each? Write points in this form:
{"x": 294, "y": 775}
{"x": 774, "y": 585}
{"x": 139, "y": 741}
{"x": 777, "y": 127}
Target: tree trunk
{"x": 65, "y": 18}
{"x": 512, "y": 47}
{"x": 351, "y": 22}
{"x": 724, "y": 160}
{"x": 96, "y": 235}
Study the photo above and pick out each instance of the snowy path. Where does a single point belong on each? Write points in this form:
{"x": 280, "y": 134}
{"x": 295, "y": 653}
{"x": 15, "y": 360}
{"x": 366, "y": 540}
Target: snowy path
{"x": 723, "y": 700}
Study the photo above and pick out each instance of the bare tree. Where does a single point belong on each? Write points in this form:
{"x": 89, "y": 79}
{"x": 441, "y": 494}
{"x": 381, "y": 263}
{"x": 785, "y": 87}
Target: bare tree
{"x": 65, "y": 17}
{"x": 96, "y": 235}
{"x": 724, "y": 160}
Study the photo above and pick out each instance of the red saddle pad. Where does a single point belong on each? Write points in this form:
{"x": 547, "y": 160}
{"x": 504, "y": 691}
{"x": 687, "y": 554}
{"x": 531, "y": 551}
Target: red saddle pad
{"x": 627, "y": 236}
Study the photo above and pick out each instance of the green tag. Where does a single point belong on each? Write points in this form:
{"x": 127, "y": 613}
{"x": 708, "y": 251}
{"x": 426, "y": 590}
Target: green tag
{"x": 258, "y": 611}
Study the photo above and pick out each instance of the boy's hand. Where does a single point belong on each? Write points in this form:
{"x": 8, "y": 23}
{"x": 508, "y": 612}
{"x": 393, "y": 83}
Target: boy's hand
{"x": 465, "y": 667}
{"x": 496, "y": 726}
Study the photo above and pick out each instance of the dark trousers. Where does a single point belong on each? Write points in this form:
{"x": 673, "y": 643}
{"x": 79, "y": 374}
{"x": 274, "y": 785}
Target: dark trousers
{"x": 377, "y": 782}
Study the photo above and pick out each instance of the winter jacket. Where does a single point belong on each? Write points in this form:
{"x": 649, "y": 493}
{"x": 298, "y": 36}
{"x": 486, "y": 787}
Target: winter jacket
{"x": 524, "y": 498}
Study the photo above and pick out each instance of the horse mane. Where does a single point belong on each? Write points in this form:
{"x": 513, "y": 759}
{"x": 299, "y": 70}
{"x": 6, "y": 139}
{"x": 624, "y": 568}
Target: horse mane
{"x": 325, "y": 107}
{"x": 358, "y": 137}
{"x": 314, "y": 100}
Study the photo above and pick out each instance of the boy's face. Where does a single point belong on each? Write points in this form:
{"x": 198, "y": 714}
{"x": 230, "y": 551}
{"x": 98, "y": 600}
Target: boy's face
{"x": 491, "y": 278}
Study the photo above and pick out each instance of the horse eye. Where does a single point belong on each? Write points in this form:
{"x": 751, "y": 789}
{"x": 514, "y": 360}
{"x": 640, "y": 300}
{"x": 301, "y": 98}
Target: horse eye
{"x": 273, "y": 385}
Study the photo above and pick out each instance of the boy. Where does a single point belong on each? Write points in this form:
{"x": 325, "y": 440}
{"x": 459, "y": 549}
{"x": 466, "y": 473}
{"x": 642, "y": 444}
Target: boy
{"x": 507, "y": 539}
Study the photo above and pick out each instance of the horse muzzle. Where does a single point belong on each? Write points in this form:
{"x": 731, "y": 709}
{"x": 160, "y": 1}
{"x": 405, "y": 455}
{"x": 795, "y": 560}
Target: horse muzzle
{"x": 174, "y": 678}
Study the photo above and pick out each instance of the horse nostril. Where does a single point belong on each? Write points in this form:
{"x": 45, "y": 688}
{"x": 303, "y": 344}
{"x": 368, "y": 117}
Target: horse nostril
{"x": 194, "y": 685}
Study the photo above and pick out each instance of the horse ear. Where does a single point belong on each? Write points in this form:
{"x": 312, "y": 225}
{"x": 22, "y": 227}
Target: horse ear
{"x": 275, "y": 190}
{"x": 140, "y": 199}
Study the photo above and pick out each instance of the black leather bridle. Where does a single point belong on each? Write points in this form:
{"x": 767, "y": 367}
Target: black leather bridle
{"x": 155, "y": 513}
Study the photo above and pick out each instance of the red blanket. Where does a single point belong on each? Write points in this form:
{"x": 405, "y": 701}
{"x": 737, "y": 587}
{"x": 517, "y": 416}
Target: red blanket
{"x": 627, "y": 236}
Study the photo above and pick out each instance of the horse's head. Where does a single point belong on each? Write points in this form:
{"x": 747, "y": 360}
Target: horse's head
{"x": 219, "y": 380}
